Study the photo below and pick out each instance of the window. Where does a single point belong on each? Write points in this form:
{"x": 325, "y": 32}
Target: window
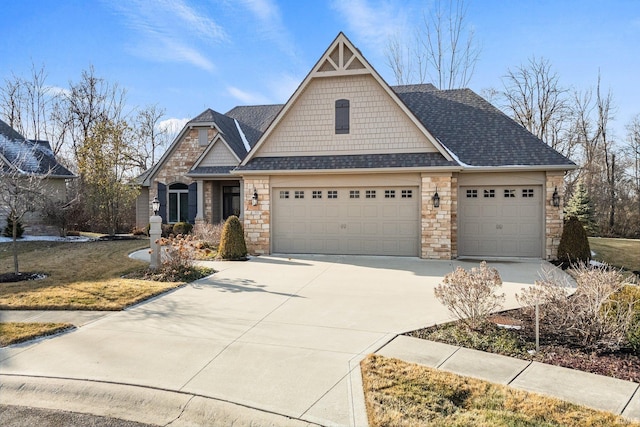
{"x": 202, "y": 137}
{"x": 389, "y": 194}
{"x": 509, "y": 194}
{"x": 370, "y": 194}
{"x": 527, "y": 192}
{"x": 354, "y": 194}
{"x": 490, "y": 193}
{"x": 332, "y": 194}
{"x": 407, "y": 194}
{"x": 284, "y": 194}
{"x": 472, "y": 194}
{"x": 342, "y": 116}
{"x": 298, "y": 195}
{"x": 316, "y": 194}
{"x": 178, "y": 203}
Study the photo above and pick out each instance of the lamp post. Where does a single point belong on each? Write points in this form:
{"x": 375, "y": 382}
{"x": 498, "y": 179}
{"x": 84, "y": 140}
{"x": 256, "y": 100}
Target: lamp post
{"x": 155, "y": 232}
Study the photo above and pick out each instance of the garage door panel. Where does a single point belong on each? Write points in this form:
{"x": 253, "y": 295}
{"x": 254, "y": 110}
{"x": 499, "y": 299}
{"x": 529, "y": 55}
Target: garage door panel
{"x": 346, "y": 225}
{"x": 500, "y": 226}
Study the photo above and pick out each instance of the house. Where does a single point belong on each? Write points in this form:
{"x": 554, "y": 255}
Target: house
{"x": 29, "y": 158}
{"x": 351, "y": 165}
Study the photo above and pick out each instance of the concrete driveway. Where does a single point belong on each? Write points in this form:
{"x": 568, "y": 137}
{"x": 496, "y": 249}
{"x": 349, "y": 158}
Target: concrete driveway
{"x": 278, "y": 334}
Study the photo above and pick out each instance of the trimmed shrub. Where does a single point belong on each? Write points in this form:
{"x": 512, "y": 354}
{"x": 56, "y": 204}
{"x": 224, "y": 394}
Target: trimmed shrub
{"x": 574, "y": 244}
{"x": 182, "y": 228}
{"x": 8, "y": 230}
{"x": 166, "y": 230}
{"x": 232, "y": 244}
{"x": 628, "y": 298}
{"x": 470, "y": 295}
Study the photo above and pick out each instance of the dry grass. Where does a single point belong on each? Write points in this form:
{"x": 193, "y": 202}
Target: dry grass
{"x": 404, "y": 394}
{"x": 80, "y": 276}
{"x": 617, "y": 252}
{"x": 13, "y": 333}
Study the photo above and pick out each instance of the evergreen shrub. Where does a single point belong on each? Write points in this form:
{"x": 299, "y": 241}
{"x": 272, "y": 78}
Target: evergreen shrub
{"x": 232, "y": 244}
{"x": 8, "y": 230}
{"x": 574, "y": 244}
{"x": 182, "y": 228}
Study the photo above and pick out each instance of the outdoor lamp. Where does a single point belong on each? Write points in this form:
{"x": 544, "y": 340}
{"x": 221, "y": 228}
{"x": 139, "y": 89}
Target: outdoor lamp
{"x": 436, "y": 199}
{"x": 555, "y": 198}
{"x": 155, "y": 205}
{"x": 254, "y": 199}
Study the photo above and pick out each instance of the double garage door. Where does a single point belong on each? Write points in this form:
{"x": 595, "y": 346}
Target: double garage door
{"x": 501, "y": 221}
{"x": 339, "y": 220}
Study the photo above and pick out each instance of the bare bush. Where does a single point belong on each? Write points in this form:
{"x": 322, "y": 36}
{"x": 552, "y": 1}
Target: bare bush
{"x": 209, "y": 234}
{"x": 471, "y": 295}
{"x": 177, "y": 254}
{"x": 590, "y": 317}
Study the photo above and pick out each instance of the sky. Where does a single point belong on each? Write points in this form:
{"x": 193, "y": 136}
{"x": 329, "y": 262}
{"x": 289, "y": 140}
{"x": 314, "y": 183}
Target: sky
{"x": 190, "y": 55}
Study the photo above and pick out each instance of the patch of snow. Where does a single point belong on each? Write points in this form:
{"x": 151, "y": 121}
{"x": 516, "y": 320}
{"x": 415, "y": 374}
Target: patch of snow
{"x": 244, "y": 138}
{"x": 596, "y": 263}
{"x": 25, "y": 238}
{"x": 452, "y": 154}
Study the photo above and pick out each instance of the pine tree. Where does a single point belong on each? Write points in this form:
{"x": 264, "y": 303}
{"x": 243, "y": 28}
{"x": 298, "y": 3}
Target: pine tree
{"x": 580, "y": 207}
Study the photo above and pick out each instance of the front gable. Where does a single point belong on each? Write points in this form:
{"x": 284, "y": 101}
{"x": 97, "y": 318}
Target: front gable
{"x": 217, "y": 153}
{"x": 379, "y": 122}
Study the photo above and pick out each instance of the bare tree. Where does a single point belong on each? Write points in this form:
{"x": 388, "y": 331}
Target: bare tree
{"x": 21, "y": 192}
{"x": 11, "y": 99}
{"x": 150, "y": 136}
{"x": 632, "y": 151}
{"x": 444, "y": 51}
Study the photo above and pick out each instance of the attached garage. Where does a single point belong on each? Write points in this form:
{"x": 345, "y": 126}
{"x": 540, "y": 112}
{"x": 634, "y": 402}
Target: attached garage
{"x": 346, "y": 220}
{"x": 500, "y": 221}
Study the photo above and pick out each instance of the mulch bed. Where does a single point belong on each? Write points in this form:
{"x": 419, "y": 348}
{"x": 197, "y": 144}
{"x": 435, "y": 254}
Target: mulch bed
{"x": 622, "y": 364}
{"x": 13, "y": 277}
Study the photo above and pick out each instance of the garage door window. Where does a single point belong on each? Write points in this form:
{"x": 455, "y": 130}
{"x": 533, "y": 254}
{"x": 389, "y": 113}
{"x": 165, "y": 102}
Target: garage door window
{"x": 316, "y": 194}
{"x": 298, "y": 194}
{"x": 509, "y": 194}
{"x": 354, "y": 194}
{"x": 370, "y": 194}
{"x": 490, "y": 193}
{"x": 472, "y": 194}
{"x": 389, "y": 194}
{"x": 284, "y": 194}
{"x": 527, "y": 192}
{"x": 407, "y": 194}
{"x": 332, "y": 194}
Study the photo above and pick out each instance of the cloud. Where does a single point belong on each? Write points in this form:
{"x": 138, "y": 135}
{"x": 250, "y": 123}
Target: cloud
{"x": 372, "y": 22}
{"x": 172, "y": 126}
{"x": 170, "y": 30}
{"x": 246, "y": 97}
{"x": 270, "y": 24}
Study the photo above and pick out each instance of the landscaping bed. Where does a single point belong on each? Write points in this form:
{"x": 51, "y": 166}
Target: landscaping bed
{"x": 520, "y": 343}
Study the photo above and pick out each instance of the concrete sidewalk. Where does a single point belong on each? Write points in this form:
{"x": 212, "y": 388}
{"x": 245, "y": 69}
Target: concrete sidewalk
{"x": 594, "y": 391}
{"x": 77, "y": 318}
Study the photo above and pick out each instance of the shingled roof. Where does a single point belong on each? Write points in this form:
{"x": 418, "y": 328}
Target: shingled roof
{"x": 29, "y": 156}
{"x": 475, "y": 131}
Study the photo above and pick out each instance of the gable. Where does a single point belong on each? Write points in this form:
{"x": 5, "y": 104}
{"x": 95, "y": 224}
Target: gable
{"x": 218, "y": 155}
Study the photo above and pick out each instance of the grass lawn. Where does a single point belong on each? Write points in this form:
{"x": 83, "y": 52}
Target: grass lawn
{"x": 80, "y": 276}
{"x": 617, "y": 252}
{"x": 13, "y": 333}
{"x": 405, "y": 394}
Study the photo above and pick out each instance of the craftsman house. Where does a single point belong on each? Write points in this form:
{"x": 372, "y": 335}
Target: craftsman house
{"x": 351, "y": 165}
{"x": 31, "y": 158}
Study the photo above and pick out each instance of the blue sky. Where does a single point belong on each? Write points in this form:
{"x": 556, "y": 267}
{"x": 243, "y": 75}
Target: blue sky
{"x": 189, "y": 55}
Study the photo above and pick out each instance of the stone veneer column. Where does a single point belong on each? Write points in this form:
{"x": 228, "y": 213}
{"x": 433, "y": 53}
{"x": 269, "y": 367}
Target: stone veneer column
{"x": 554, "y": 217}
{"x": 437, "y": 224}
{"x": 257, "y": 219}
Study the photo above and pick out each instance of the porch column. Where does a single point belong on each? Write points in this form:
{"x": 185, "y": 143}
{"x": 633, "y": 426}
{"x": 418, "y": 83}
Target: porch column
{"x": 200, "y": 211}
{"x": 241, "y": 199}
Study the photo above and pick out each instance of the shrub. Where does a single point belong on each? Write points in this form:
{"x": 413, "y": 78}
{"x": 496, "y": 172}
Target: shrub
{"x": 8, "y": 230}
{"x": 470, "y": 295}
{"x": 176, "y": 256}
{"x": 209, "y": 234}
{"x": 232, "y": 244}
{"x": 592, "y": 317}
{"x": 182, "y": 228}
{"x": 140, "y": 231}
{"x": 574, "y": 244}
{"x": 629, "y": 297}
{"x": 166, "y": 230}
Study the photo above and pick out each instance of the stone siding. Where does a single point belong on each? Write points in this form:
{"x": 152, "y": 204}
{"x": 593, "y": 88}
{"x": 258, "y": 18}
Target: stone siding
{"x": 257, "y": 219}
{"x": 438, "y": 225}
{"x": 554, "y": 217}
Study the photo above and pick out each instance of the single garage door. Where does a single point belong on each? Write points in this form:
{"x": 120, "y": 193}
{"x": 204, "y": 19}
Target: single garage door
{"x": 354, "y": 221}
{"x": 500, "y": 221}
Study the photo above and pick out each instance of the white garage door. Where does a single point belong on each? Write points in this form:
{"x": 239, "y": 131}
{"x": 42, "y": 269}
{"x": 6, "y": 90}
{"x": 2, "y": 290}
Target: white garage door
{"x": 500, "y": 221}
{"x": 356, "y": 221}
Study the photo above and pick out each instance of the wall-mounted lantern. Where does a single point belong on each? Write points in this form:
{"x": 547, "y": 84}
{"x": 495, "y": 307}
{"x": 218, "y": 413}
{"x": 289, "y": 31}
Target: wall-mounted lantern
{"x": 155, "y": 205}
{"x": 555, "y": 198}
{"x": 436, "y": 199}
{"x": 254, "y": 198}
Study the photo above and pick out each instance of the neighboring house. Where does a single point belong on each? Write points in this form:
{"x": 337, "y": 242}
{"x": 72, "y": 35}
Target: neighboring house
{"x": 32, "y": 157}
{"x": 351, "y": 165}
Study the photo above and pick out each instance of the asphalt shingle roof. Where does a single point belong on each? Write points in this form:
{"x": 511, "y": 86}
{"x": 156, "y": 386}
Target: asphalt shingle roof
{"x": 477, "y": 132}
{"x": 211, "y": 170}
{"x": 227, "y": 127}
{"x": 29, "y": 156}
{"x": 355, "y": 161}
{"x": 258, "y": 117}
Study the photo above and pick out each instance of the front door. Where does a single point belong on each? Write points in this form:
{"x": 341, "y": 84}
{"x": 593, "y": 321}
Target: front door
{"x": 230, "y": 201}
